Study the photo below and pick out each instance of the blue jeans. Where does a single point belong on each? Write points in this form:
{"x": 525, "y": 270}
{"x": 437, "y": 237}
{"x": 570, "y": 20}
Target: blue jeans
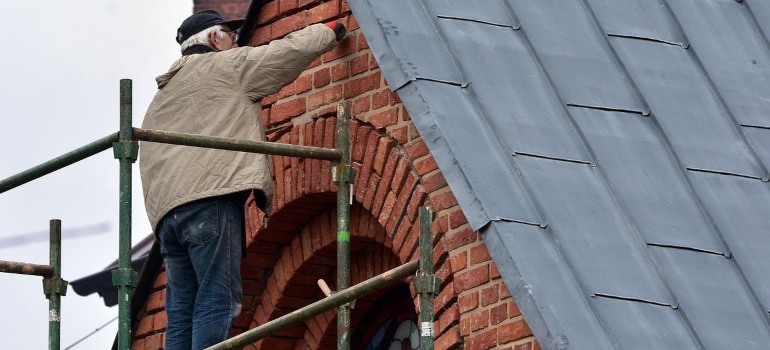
{"x": 201, "y": 244}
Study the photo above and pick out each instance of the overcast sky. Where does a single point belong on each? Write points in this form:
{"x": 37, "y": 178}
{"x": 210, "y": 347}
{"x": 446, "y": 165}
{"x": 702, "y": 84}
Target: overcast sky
{"x": 59, "y": 83}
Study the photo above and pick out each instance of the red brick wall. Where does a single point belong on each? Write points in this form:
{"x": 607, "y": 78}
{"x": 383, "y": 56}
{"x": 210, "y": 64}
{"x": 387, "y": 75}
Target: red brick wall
{"x": 396, "y": 175}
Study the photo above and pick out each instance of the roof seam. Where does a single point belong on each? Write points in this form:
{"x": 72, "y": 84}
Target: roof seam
{"x": 756, "y": 126}
{"x": 726, "y": 255}
{"x": 610, "y": 109}
{"x": 478, "y": 21}
{"x": 718, "y": 231}
{"x": 726, "y": 173}
{"x": 645, "y": 38}
{"x": 561, "y": 159}
{"x": 633, "y": 299}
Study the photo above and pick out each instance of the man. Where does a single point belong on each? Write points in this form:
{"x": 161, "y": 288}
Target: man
{"x": 195, "y": 196}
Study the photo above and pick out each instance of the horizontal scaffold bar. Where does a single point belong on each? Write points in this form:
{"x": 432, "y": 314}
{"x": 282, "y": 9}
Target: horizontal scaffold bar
{"x": 336, "y": 299}
{"x": 274, "y": 148}
{"x": 58, "y": 162}
{"x": 26, "y": 268}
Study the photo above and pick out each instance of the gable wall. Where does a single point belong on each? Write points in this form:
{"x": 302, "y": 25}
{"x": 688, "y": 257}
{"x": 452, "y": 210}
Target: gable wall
{"x": 396, "y": 175}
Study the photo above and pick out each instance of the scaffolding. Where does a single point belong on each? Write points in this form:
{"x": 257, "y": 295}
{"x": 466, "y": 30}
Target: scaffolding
{"x": 125, "y": 147}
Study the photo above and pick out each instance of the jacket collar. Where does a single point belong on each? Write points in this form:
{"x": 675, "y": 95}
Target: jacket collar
{"x": 200, "y": 48}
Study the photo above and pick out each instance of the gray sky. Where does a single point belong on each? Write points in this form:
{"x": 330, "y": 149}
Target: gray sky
{"x": 59, "y": 83}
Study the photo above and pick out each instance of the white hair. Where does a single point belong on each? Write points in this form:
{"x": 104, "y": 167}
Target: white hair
{"x": 202, "y": 37}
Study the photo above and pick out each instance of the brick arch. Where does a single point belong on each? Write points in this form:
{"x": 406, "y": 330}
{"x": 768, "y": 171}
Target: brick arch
{"x": 296, "y": 246}
{"x": 310, "y": 256}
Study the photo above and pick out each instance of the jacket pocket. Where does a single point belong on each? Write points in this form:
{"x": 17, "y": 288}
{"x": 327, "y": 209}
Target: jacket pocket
{"x": 199, "y": 222}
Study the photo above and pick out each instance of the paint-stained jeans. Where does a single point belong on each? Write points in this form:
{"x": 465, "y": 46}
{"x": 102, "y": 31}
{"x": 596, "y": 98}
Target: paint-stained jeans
{"x": 201, "y": 244}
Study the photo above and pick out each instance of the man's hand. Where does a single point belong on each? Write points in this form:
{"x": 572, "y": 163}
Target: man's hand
{"x": 339, "y": 29}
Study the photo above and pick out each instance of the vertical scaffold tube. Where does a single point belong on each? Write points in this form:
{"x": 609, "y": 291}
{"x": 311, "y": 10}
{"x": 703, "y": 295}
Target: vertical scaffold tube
{"x": 343, "y": 177}
{"x": 54, "y": 297}
{"x": 428, "y": 285}
{"x": 126, "y": 150}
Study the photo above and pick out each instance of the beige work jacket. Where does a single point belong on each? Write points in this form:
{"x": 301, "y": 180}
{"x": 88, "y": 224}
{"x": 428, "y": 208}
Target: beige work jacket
{"x": 219, "y": 94}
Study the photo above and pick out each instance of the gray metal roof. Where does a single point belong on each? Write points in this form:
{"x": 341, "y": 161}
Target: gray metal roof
{"x": 613, "y": 153}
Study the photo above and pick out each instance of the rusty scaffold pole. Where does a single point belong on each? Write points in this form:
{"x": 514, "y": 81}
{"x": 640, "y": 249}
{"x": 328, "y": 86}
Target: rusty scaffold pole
{"x": 126, "y": 151}
{"x": 343, "y": 176}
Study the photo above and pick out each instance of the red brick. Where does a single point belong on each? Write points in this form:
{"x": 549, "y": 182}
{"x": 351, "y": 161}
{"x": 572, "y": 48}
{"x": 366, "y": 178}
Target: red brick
{"x": 137, "y": 344}
{"x": 416, "y": 149}
{"x": 409, "y": 248}
{"x": 479, "y": 254}
{"x": 156, "y": 301}
{"x": 425, "y": 165}
{"x": 160, "y": 281}
{"x": 160, "y": 320}
{"x": 145, "y": 325}
{"x": 473, "y": 278}
{"x": 340, "y": 71}
{"x": 345, "y": 47}
{"x": 479, "y": 320}
{"x": 433, "y": 182}
{"x": 385, "y": 119}
{"x": 360, "y": 106}
{"x": 498, "y": 313}
{"x": 400, "y": 134}
{"x": 513, "y": 331}
{"x": 366, "y": 167}
{"x": 324, "y": 12}
{"x": 448, "y": 319}
{"x": 525, "y": 346}
{"x": 324, "y": 97}
{"x": 305, "y": 3}
{"x": 465, "y": 327}
{"x": 286, "y": 91}
{"x": 460, "y": 238}
{"x": 504, "y": 293}
{"x": 448, "y": 340}
{"x": 286, "y": 6}
{"x": 269, "y": 100}
{"x": 287, "y": 110}
{"x": 384, "y": 186}
{"x": 383, "y": 150}
{"x": 494, "y": 272}
{"x": 359, "y": 64}
{"x": 361, "y": 85}
{"x": 380, "y": 99}
{"x": 261, "y": 36}
{"x": 446, "y": 296}
{"x": 287, "y": 25}
{"x": 359, "y": 147}
{"x": 443, "y": 200}
{"x": 361, "y": 41}
{"x": 513, "y": 309}
{"x": 459, "y": 262}
{"x": 490, "y": 295}
{"x": 418, "y": 199}
{"x": 484, "y": 340}
{"x": 457, "y": 218}
{"x": 154, "y": 342}
{"x": 322, "y": 77}
{"x": 468, "y": 302}
{"x": 303, "y": 83}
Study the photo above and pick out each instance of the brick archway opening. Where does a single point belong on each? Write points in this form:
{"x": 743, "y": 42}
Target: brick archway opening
{"x": 297, "y": 262}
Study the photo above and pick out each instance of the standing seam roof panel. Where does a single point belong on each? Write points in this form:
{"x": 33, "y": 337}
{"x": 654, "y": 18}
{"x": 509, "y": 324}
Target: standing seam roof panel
{"x": 533, "y": 120}
{"x": 668, "y": 78}
{"x": 589, "y": 75}
{"x": 647, "y": 179}
{"x": 734, "y": 52}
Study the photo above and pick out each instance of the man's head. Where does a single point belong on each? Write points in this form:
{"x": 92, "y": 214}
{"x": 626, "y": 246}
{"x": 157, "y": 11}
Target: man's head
{"x": 208, "y": 28}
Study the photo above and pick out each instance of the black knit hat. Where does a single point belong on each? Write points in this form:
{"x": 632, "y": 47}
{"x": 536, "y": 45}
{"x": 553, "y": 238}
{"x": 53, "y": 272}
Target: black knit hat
{"x": 201, "y": 21}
